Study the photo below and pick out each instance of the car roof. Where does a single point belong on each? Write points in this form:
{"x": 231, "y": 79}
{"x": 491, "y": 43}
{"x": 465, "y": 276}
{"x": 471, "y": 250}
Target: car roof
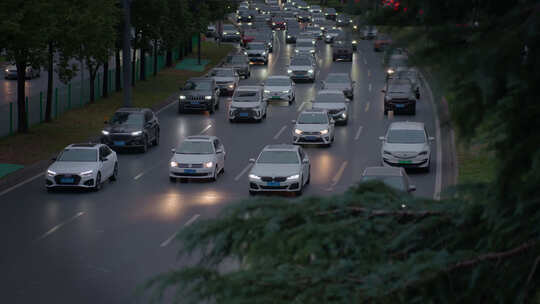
{"x": 386, "y": 171}
{"x": 329, "y": 92}
{"x": 90, "y": 146}
{"x": 201, "y": 138}
{"x": 248, "y": 88}
{"x": 279, "y": 77}
{"x": 308, "y": 111}
{"x": 281, "y": 147}
{"x": 407, "y": 125}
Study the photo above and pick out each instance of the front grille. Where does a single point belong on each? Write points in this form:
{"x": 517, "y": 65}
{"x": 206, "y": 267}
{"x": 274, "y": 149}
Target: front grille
{"x": 404, "y": 155}
{"x": 190, "y": 174}
{"x": 195, "y": 97}
{"x": 245, "y": 111}
{"x": 273, "y": 179}
{"x": 274, "y": 187}
{"x": 190, "y": 165}
{"x": 76, "y": 179}
{"x": 254, "y": 55}
{"x": 311, "y": 133}
{"x": 300, "y": 72}
{"x": 400, "y": 100}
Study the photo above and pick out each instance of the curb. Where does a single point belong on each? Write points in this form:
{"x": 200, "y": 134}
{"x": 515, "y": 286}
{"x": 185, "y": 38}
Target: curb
{"x": 33, "y": 171}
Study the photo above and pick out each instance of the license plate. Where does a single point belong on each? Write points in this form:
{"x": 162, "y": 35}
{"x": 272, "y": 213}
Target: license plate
{"x": 67, "y": 180}
{"x": 273, "y": 184}
{"x": 195, "y": 102}
{"x": 405, "y": 162}
{"x": 312, "y": 138}
{"x": 400, "y": 105}
{"x": 244, "y": 114}
{"x": 119, "y": 143}
{"x": 189, "y": 171}
{"x": 276, "y": 97}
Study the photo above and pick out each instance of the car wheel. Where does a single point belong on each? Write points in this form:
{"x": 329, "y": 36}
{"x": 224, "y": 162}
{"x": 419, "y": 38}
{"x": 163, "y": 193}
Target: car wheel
{"x": 215, "y": 176}
{"x": 413, "y": 111}
{"x": 183, "y": 180}
{"x": 385, "y": 112}
{"x": 300, "y": 191}
{"x": 309, "y": 177}
{"x": 217, "y": 105}
{"x": 172, "y": 179}
{"x": 145, "y": 144}
{"x": 231, "y": 120}
{"x": 426, "y": 169}
{"x": 156, "y": 139}
{"x": 211, "y": 109}
{"x": 252, "y": 192}
{"x": 97, "y": 186}
{"x": 180, "y": 110}
{"x": 114, "y": 176}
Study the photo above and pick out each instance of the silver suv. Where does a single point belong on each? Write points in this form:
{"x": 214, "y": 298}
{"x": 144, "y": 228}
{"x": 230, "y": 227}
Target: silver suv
{"x": 248, "y": 104}
{"x": 280, "y": 168}
{"x": 335, "y": 103}
{"x": 406, "y": 144}
{"x": 302, "y": 67}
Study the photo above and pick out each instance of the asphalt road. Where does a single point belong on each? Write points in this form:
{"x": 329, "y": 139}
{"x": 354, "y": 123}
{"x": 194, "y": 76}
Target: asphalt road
{"x": 88, "y": 247}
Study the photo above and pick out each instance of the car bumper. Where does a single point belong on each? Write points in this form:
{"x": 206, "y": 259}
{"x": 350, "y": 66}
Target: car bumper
{"x": 286, "y": 186}
{"x": 400, "y": 107}
{"x": 196, "y": 105}
{"x": 277, "y": 96}
{"x": 122, "y": 141}
{"x": 306, "y": 76}
{"x": 229, "y": 37}
{"x": 59, "y": 181}
{"x": 311, "y": 139}
{"x": 245, "y": 114}
{"x": 254, "y": 60}
{"x": 343, "y": 56}
{"x": 406, "y": 163}
{"x": 199, "y": 173}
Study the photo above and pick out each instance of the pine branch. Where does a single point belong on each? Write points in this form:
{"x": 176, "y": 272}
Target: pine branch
{"x": 377, "y": 213}
{"x": 494, "y": 256}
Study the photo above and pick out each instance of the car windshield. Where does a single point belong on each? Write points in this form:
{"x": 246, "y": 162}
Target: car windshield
{"x": 223, "y": 73}
{"x": 126, "y": 118}
{"x": 329, "y": 97}
{"x": 236, "y": 59}
{"x": 312, "y": 118}
{"x": 304, "y": 44}
{"x": 397, "y": 136}
{"x": 195, "y": 147}
{"x": 78, "y": 155}
{"x": 333, "y": 31}
{"x": 228, "y": 28}
{"x": 198, "y": 85}
{"x": 300, "y": 61}
{"x": 278, "y": 82}
{"x": 336, "y": 78}
{"x": 391, "y": 181}
{"x": 256, "y": 46}
{"x": 244, "y": 95}
{"x": 278, "y": 157}
{"x": 398, "y": 61}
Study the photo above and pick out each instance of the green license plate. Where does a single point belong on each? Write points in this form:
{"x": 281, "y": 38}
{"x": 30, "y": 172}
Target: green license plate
{"x": 405, "y": 162}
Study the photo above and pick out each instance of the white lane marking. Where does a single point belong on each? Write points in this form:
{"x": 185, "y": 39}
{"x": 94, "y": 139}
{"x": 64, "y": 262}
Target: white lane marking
{"x": 365, "y": 61}
{"x": 302, "y": 105}
{"x": 358, "y": 133}
{"x": 243, "y": 172}
{"x": 55, "y": 228}
{"x": 20, "y": 184}
{"x": 367, "y": 106}
{"x": 188, "y": 223}
{"x": 138, "y": 176}
{"x": 369, "y": 87}
{"x": 205, "y": 129}
{"x": 369, "y": 73}
{"x": 280, "y": 131}
{"x": 167, "y": 106}
{"x": 337, "y": 177}
{"x": 278, "y": 48}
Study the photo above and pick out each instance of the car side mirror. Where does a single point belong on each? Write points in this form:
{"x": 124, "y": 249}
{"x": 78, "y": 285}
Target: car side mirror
{"x": 53, "y": 159}
{"x": 173, "y": 150}
{"x": 381, "y": 138}
{"x": 102, "y": 159}
{"x": 354, "y": 82}
{"x": 332, "y": 121}
{"x": 219, "y": 151}
{"x": 431, "y": 138}
{"x": 305, "y": 161}
{"x": 412, "y": 188}
{"x": 384, "y": 91}
{"x": 106, "y": 122}
{"x": 252, "y": 160}
{"x": 293, "y": 121}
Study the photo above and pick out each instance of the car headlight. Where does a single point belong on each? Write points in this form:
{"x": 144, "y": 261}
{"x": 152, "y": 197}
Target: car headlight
{"x": 390, "y": 71}
{"x": 182, "y": 97}
{"x": 51, "y": 173}
{"x": 387, "y": 152}
{"x": 344, "y": 115}
{"x": 328, "y": 36}
{"x": 263, "y": 53}
{"x": 207, "y": 97}
{"x": 267, "y": 91}
{"x": 174, "y": 164}
{"x": 136, "y": 133}
{"x": 296, "y": 51}
{"x": 87, "y": 173}
{"x": 324, "y": 132}
{"x": 423, "y": 153}
{"x": 105, "y": 132}
{"x": 237, "y": 33}
{"x": 273, "y": 23}
{"x": 355, "y": 27}
{"x": 231, "y": 86}
{"x": 208, "y": 165}
{"x": 245, "y": 53}
{"x": 354, "y": 42}
{"x": 310, "y": 71}
{"x": 298, "y": 131}
{"x": 253, "y": 176}
{"x": 285, "y": 91}
{"x": 322, "y": 28}
{"x": 312, "y": 51}
{"x": 288, "y": 36}
{"x": 289, "y": 71}
{"x": 292, "y": 177}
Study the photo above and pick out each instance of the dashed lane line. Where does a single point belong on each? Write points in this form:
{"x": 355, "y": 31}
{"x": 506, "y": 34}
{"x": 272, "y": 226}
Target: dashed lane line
{"x": 358, "y": 133}
{"x": 205, "y": 129}
{"x": 337, "y": 177}
{"x": 279, "y": 132}
{"x": 367, "y": 106}
{"x": 57, "y": 227}
{"x": 242, "y": 172}
{"x": 188, "y": 223}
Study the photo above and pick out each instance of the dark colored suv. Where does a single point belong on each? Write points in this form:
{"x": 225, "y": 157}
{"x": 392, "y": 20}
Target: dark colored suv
{"x": 342, "y": 49}
{"x": 131, "y": 128}
{"x": 399, "y": 96}
{"x": 199, "y": 94}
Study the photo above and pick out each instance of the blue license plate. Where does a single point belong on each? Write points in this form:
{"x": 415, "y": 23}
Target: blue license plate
{"x": 311, "y": 138}
{"x": 67, "y": 180}
{"x": 189, "y": 171}
{"x": 195, "y": 102}
{"x": 272, "y": 184}
{"x": 244, "y": 114}
{"x": 400, "y": 106}
{"x": 119, "y": 143}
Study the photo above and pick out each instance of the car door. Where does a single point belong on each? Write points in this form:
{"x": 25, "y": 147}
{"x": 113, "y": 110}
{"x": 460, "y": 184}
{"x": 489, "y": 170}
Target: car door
{"x": 264, "y": 103}
{"x": 304, "y": 166}
{"x": 220, "y": 156}
{"x": 106, "y": 162}
{"x": 332, "y": 124}
{"x": 148, "y": 127}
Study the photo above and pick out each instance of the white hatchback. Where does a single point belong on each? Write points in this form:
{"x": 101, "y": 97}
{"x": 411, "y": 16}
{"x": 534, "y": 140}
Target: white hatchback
{"x": 198, "y": 157}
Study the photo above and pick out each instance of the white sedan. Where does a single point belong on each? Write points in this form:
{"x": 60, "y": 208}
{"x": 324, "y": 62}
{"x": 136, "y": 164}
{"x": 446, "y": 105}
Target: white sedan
{"x": 82, "y": 166}
{"x": 198, "y": 157}
{"x": 279, "y": 88}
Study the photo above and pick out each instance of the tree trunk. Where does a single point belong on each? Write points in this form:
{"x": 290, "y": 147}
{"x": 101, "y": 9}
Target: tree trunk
{"x": 199, "y": 49}
{"x": 155, "y": 57}
{"x": 143, "y": 64}
{"x": 92, "y": 72}
{"x": 50, "y": 79}
{"x": 190, "y": 44}
{"x": 106, "y": 78}
{"x": 169, "y": 58}
{"x": 118, "y": 71}
{"x": 21, "y": 106}
{"x": 133, "y": 66}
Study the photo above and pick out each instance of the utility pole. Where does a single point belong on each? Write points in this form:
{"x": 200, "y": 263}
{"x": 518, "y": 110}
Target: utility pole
{"x": 126, "y": 53}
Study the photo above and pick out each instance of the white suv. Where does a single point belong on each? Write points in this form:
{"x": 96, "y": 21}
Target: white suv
{"x": 406, "y": 144}
{"x": 82, "y": 166}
